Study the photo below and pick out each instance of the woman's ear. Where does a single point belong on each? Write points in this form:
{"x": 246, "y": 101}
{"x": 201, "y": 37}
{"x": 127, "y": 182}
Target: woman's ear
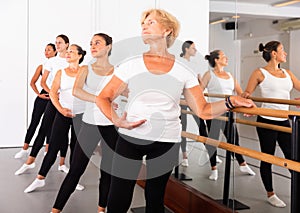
{"x": 167, "y": 33}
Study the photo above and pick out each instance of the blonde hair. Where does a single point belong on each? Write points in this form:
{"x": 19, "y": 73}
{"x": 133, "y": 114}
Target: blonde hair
{"x": 167, "y": 20}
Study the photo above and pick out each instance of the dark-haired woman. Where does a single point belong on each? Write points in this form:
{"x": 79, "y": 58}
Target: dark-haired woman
{"x": 219, "y": 81}
{"x": 95, "y": 126}
{"x": 40, "y": 102}
{"x": 274, "y": 82}
{"x": 68, "y": 115}
{"x": 189, "y": 50}
{"x": 50, "y": 68}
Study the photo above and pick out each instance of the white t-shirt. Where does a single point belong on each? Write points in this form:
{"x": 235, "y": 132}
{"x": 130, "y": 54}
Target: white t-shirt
{"x": 155, "y": 98}
{"x": 274, "y": 87}
{"x": 53, "y": 65}
{"x": 94, "y": 84}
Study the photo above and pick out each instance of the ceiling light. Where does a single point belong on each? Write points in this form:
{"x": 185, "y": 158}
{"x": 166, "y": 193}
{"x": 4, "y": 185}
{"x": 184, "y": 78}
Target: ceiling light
{"x": 286, "y": 3}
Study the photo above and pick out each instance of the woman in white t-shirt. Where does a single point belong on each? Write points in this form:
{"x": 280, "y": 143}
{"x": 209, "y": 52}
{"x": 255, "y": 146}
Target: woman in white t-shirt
{"x": 50, "y": 68}
{"x": 40, "y": 102}
{"x": 95, "y": 126}
{"x": 274, "y": 82}
{"x": 219, "y": 81}
{"x": 68, "y": 116}
{"x": 151, "y": 124}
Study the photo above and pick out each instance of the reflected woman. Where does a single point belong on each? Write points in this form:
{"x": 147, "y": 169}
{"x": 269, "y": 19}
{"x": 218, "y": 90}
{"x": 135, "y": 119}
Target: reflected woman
{"x": 274, "y": 82}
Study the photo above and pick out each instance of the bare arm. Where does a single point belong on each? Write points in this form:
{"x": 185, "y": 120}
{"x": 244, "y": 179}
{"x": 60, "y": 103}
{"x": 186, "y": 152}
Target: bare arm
{"x": 44, "y": 79}
{"x": 33, "y": 81}
{"x": 237, "y": 88}
{"x": 196, "y": 101}
{"x": 104, "y": 101}
{"x": 295, "y": 80}
{"x": 205, "y": 79}
{"x": 255, "y": 79}
{"x": 54, "y": 96}
{"x": 78, "y": 90}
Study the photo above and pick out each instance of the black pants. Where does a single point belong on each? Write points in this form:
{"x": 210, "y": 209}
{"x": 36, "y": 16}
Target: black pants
{"x": 37, "y": 112}
{"x": 161, "y": 159}
{"x": 200, "y": 123}
{"x": 88, "y": 138}
{"x": 59, "y": 140}
{"x": 45, "y": 129}
{"x": 267, "y": 141}
{"x": 214, "y": 126}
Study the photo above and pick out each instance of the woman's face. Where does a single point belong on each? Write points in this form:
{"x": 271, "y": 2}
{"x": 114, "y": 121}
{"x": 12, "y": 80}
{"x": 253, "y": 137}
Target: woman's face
{"x": 223, "y": 60}
{"x": 98, "y": 46}
{"x": 72, "y": 54}
{"x": 60, "y": 44}
{"x": 49, "y": 51}
{"x": 152, "y": 30}
{"x": 191, "y": 50}
{"x": 280, "y": 54}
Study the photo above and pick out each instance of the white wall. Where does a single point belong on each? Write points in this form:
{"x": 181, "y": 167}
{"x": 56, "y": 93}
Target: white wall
{"x": 13, "y": 78}
{"x": 30, "y": 25}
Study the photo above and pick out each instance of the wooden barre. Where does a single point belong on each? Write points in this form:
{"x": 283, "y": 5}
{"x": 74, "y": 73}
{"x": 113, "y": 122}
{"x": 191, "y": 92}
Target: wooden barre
{"x": 282, "y": 162}
{"x": 257, "y": 99}
{"x": 251, "y": 123}
{"x": 261, "y": 111}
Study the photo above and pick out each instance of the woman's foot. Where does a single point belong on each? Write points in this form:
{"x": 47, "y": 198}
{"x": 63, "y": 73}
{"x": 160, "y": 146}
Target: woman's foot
{"x": 24, "y": 168}
{"x": 246, "y": 169}
{"x": 275, "y": 201}
{"x": 213, "y": 175}
{"x": 63, "y": 168}
{"x": 37, "y": 183}
{"x": 22, "y": 153}
{"x": 185, "y": 162}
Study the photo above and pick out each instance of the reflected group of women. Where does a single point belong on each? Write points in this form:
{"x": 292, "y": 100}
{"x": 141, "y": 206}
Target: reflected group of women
{"x": 82, "y": 98}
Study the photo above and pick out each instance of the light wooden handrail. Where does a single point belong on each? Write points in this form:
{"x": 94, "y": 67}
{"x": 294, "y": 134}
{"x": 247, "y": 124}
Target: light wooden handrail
{"x": 251, "y": 123}
{"x": 261, "y": 111}
{"x": 289, "y": 164}
{"x": 258, "y": 99}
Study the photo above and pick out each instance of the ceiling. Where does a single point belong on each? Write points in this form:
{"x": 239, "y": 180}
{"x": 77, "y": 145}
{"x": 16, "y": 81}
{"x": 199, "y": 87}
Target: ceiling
{"x": 245, "y": 17}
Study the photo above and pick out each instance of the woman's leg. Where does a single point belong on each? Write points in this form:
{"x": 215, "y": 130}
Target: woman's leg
{"x": 126, "y": 166}
{"x": 88, "y": 139}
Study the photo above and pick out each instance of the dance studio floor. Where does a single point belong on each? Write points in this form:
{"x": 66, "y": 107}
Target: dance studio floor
{"x": 245, "y": 189}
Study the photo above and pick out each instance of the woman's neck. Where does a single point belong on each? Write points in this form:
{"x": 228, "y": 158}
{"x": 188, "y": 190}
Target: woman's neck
{"x": 219, "y": 69}
{"x": 272, "y": 66}
{"x": 187, "y": 57}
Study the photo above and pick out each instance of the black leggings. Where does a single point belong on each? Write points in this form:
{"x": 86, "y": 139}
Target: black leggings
{"x": 267, "y": 141}
{"x": 200, "y": 123}
{"x": 37, "y": 112}
{"x": 88, "y": 138}
{"x": 214, "y": 126}
{"x": 161, "y": 157}
{"x": 59, "y": 140}
{"x": 45, "y": 129}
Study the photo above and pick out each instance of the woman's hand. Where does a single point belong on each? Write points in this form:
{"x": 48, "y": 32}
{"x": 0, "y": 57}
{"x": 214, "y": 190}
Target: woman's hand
{"x": 115, "y": 106}
{"x": 67, "y": 113}
{"x": 245, "y": 94}
{"x": 238, "y": 101}
{"x": 298, "y": 106}
{"x": 44, "y": 96}
{"x": 123, "y": 123}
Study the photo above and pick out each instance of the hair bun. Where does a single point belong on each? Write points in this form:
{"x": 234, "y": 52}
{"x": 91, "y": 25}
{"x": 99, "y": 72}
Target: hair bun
{"x": 181, "y": 54}
{"x": 207, "y": 57}
{"x": 261, "y": 47}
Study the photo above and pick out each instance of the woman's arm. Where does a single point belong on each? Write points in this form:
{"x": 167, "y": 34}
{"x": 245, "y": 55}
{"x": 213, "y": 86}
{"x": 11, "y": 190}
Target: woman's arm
{"x": 78, "y": 90}
{"x": 205, "y": 79}
{"x": 44, "y": 79}
{"x": 196, "y": 101}
{"x": 237, "y": 88}
{"x": 255, "y": 79}
{"x": 295, "y": 80}
{"x": 104, "y": 101}
{"x": 34, "y": 79}
{"x": 55, "y": 98}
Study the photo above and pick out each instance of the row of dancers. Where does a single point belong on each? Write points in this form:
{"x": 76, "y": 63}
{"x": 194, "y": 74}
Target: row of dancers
{"x": 81, "y": 100}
